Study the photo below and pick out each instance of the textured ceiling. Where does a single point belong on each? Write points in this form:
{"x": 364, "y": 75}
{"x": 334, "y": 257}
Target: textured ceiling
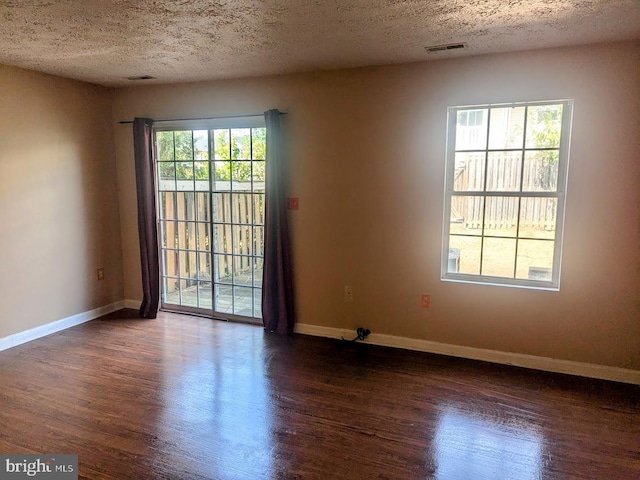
{"x": 105, "y": 41}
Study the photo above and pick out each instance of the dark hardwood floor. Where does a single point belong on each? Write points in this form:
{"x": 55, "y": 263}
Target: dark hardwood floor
{"x": 189, "y": 398}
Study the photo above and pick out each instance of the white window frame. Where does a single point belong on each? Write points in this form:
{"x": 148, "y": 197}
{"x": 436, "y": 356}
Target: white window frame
{"x": 559, "y": 194}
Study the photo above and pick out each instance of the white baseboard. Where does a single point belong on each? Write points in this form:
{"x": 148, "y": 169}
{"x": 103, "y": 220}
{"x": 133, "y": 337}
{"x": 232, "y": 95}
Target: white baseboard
{"x": 56, "y": 326}
{"x": 133, "y": 304}
{"x": 602, "y": 372}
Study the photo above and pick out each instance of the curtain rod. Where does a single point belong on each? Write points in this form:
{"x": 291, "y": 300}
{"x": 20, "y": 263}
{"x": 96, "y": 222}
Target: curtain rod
{"x": 203, "y": 118}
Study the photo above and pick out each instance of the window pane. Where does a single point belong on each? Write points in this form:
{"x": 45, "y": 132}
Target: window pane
{"x": 221, "y": 144}
{"x": 164, "y": 145}
{"x": 188, "y": 293}
{"x": 223, "y": 298}
{"x": 188, "y": 265}
{"x": 222, "y": 208}
{"x": 187, "y": 235}
{"x": 259, "y": 143}
{"x": 258, "y": 233}
{"x": 506, "y": 128}
{"x": 544, "y": 123}
{"x": 170, "y": 291}
{"x": 222, "y": 238}
{"x": 241, "y": 144}
{"x": 241, "y": 203}
{"x": 222, "y": 176}
{"x": 170, "y": 263}
{"x": 205, "y": 291}
{"x": 201, "y": 171}
{"x": 468, "y": 172}
{"x": 498, "y": 257}
{"x": 201, "y": 144}
{"x": 202, "y": 207}
{"x": 242, "y": 240}
{"x": 190, "y": 237}
{"x": 184, "y": 176}
{"x": 243, "y": 270}
{"x": 453, "y": 260}
{"x": 501, "y": 216}
{"x": 203, "y": 237}
{"x": 535, "y": 259}
{"x": 503, "y": 171}
{"x": 204, "y": 267}
{"x": 464, "y": 255}
{"x": 538, "y": 218}
{"x": 186, "y": 205}
{"x": 185, "y": 185}
{"x": 257, "y": 271}
{"x": 243, "y": 301}
{"x": 167, "y": 206}
{"x": 167, "y": 176}
{"x": 202, "y": 186}
{"x": 162, "y": 235}
{"x": 257, "y": 302}
{"x": 184, "y": 150}
{"x": 471, "y": 129}
{"x": 169, "y": 239}
{"x": 540, "y": 171}
{"x": 223, "y": 266}
{"x": 466, "y": 214}
{"x": 184, "y": 170}
{"x": 241, "y": 176}
{"x": 259, "y": 176}
{"x": 258, "y": 209}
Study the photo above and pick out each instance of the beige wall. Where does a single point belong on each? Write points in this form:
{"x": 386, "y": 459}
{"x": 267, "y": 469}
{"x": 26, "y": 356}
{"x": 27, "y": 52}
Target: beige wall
{"x": 58, "y": 200}
{"x": 369, "y": 147}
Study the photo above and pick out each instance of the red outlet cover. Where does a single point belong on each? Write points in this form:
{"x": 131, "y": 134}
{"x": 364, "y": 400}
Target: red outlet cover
{"x": 425, "y": 300}
{"x": 293, "y": 203}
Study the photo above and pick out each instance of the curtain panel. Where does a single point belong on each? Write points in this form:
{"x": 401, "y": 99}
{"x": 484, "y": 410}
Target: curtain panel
{"x": 147, "y": 228}
{"x": 278, "y": 312}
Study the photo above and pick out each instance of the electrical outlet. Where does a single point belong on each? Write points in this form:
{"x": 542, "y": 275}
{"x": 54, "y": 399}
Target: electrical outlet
{"x": 100, "y": 273}
{"x": 425, "y": 300}
{"x": 348, "y": 294}
{"x": 293, "y": 203}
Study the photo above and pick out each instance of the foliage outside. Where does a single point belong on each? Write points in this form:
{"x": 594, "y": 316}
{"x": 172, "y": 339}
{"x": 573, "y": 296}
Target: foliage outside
{"x": 236, "y": 152}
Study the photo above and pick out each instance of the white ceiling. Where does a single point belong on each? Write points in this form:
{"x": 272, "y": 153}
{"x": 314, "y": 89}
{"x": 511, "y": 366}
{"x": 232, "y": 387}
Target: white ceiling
{"x": 105, "y": 41}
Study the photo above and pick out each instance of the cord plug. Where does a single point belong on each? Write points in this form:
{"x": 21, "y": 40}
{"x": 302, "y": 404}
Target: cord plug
{"x": 362, "y": 333}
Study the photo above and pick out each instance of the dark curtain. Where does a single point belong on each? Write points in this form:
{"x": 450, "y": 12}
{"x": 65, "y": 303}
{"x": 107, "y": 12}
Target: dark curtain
{"x": 147, "y": 228}
{"x": 278, "y": 313}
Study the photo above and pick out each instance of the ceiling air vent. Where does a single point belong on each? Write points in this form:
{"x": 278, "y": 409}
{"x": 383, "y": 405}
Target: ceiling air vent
{"x": 442, "y": 48}
{"x": 141, "y": 77}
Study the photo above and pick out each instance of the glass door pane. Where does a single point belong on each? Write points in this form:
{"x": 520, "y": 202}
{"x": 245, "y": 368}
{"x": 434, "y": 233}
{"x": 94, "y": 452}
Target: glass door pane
{"x": 184, "y": 219}
{"x": 238, "y": 219}
{"x": 211, "y": 187}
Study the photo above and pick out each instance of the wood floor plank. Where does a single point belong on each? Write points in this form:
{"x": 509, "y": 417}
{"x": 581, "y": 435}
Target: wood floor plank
{"x": 183, "y": 397}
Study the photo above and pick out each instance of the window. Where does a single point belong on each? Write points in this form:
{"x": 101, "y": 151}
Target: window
{"x": 211, "y": 185}
{"x": 506, "y": 177}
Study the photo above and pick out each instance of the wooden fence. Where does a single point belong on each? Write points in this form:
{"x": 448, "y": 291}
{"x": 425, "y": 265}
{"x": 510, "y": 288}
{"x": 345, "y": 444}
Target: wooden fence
{"x": 193, "y": 233}
{"x": 539, "y": 174}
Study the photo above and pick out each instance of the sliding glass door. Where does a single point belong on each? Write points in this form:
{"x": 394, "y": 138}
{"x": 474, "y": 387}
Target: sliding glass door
{"x": 211, "y": 185}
